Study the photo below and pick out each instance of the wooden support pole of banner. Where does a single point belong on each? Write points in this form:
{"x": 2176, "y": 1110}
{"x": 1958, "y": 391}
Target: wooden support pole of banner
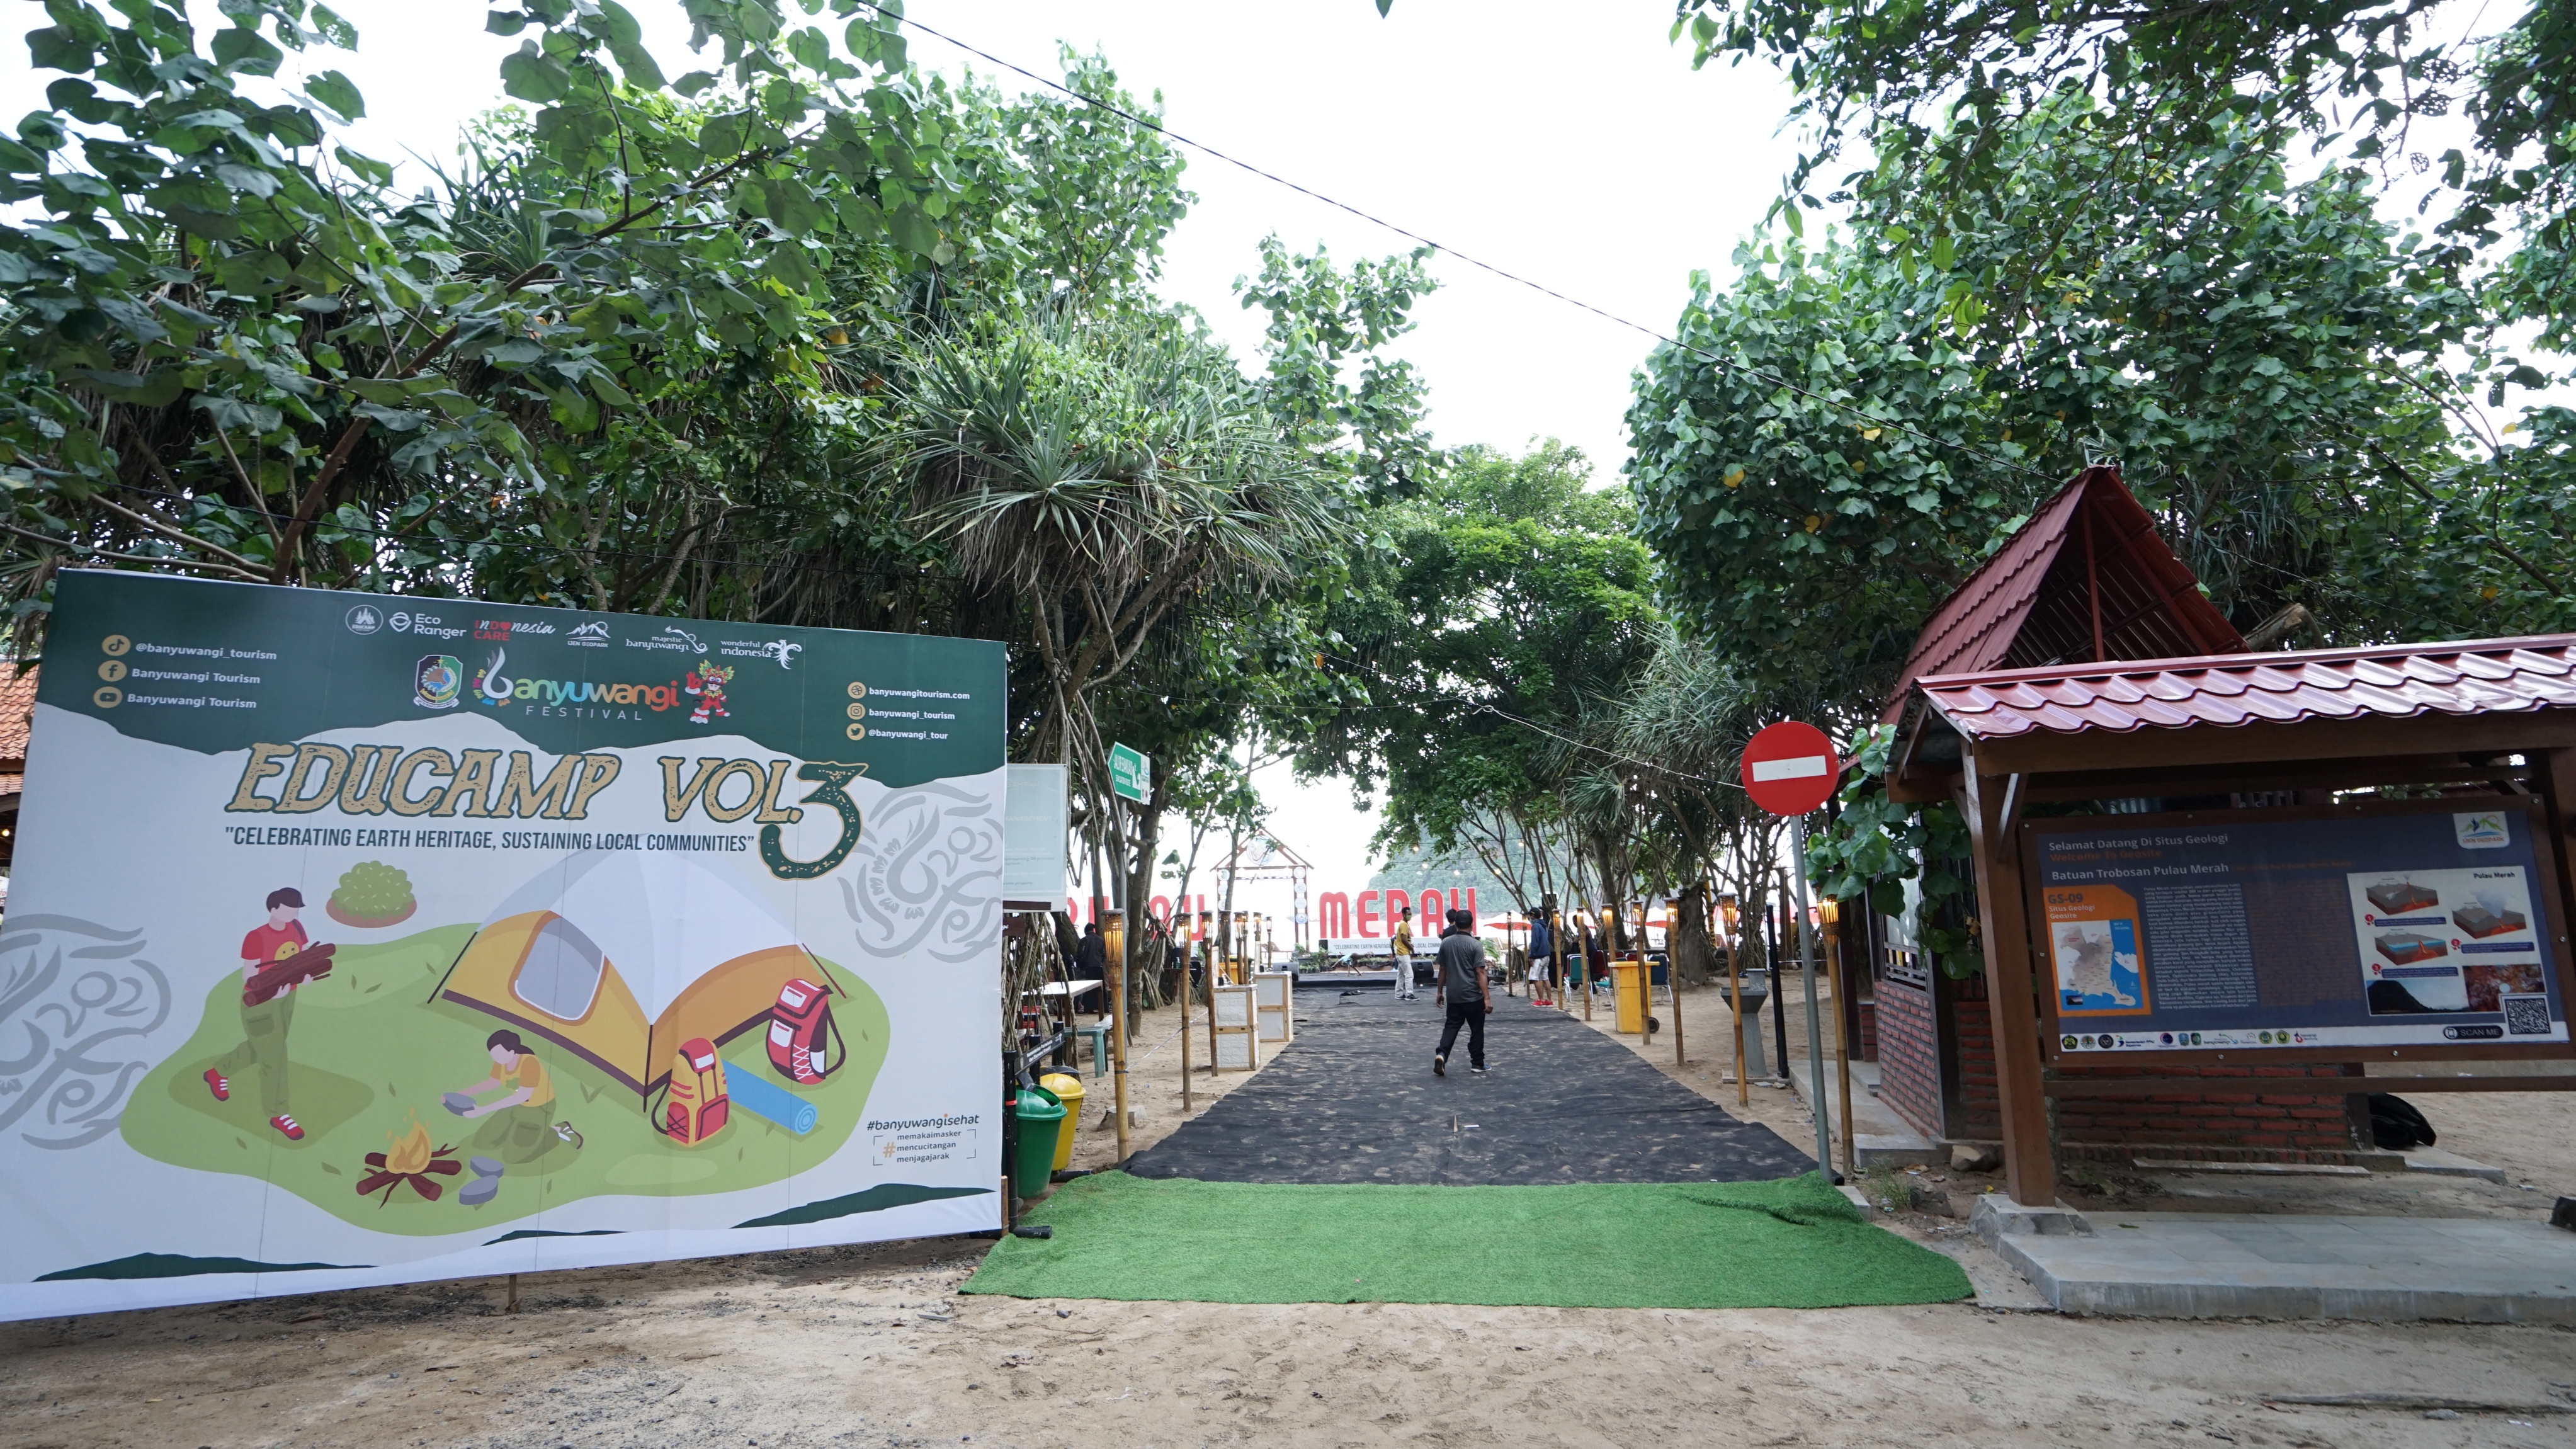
{"x": 513, "y": 1305}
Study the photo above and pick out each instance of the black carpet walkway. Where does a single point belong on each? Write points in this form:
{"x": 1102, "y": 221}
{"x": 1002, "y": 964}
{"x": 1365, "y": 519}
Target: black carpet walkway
{"x": 1353, "y": 1100}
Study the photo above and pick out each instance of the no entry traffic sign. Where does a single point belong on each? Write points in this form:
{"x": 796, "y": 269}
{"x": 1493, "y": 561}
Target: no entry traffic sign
{"x": 1790, "y": 768}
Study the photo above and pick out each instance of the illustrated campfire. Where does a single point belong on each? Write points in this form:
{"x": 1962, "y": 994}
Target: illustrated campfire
{"x": 410, "y": 1159}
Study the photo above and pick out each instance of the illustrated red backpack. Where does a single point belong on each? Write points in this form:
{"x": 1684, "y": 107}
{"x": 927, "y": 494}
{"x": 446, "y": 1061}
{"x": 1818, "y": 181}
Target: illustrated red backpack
{"x": 698, "y": 1105}
{"x": 804, "y": 1043}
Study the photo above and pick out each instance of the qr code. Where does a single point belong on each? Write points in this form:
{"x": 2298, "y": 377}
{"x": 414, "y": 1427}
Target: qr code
{"x": 2526, "y": 1015}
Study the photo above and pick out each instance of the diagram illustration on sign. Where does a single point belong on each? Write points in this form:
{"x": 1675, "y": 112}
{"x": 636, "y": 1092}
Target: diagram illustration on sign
{"x": 2448, "y": 941}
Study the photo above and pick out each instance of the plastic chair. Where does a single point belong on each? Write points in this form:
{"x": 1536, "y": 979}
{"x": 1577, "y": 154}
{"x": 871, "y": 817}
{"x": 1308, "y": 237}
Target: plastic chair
{"x": 1098, "y": 1031}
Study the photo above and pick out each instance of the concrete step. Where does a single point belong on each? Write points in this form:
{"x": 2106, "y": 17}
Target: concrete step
{"x": 2375, "y": 1269}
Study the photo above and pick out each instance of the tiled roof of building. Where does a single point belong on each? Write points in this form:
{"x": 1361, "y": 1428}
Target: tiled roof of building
{"x": 2033, "y": 602}
{"x": 17, "y": 707}
{"x": 2389, "y": 681}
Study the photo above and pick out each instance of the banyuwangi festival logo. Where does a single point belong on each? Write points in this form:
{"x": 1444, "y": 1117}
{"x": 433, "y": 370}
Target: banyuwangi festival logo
{"x": 495, "y": 688}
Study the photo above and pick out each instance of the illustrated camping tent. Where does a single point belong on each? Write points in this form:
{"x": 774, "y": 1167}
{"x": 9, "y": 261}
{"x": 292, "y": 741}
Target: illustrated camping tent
{"x": 618, "y": 957}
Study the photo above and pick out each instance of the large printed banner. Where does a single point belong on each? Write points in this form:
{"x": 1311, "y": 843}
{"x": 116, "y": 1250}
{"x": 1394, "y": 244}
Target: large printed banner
{"x": 360, "y": 940}
{"x": 2413, "y": 925}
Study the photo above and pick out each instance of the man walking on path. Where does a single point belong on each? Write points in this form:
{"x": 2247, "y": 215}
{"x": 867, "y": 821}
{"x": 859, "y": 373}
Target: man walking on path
{"x": 1464, "y": 990}
{"x": 1401, "y": 939}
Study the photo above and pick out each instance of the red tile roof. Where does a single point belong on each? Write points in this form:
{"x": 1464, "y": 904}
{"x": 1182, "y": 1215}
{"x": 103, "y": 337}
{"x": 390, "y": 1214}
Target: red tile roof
{"x": 2389, "y": 681}
{"x": 2032, "y": 603}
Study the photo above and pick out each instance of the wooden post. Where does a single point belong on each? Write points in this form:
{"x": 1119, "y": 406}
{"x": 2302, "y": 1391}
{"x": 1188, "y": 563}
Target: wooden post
{"x": 513, "y": 1305}
{"x": 2559, "y": 794}
{"x": 2030, "y": 1167}
{"x": 1735, "y": 999}
{"x": 1216, "y": 953}
{"x": 1673, "y": 968}
{"x": 1842, "y": 1041}
{"x": 1185, "y": 1024}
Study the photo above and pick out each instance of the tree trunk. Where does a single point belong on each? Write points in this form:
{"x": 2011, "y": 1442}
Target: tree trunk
{"x": 1145, "y": 947}
{"x": 1694, "y": 956}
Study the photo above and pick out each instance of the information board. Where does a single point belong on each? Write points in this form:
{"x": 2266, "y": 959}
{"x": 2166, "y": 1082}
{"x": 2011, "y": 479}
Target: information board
{"x": 2431, "y": 923}
{"x": 359, "y": 940}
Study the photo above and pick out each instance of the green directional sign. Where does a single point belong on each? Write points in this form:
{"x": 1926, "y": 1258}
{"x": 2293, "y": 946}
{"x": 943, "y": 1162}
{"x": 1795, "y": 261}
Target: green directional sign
{"x": 1130, "y": 774}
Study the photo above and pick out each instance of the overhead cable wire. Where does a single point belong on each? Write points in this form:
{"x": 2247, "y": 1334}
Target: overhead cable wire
{"x": 1505, "y": 714}
{"x": 1728, "y": 364}
{"x": 404, "y": 536}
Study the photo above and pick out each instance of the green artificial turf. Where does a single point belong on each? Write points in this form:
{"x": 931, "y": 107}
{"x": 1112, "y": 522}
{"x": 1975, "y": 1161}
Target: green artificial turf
{"x": 1794, "y": 1243}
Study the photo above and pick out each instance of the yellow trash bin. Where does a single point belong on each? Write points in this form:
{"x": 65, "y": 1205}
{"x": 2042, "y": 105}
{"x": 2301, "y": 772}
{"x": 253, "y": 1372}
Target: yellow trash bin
{"x": 1069, "y": 1090}
{"x": 1628, "y": 979}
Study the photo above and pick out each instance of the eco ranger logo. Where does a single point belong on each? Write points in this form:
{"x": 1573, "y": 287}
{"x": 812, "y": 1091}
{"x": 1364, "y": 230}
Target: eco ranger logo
{"x": 417, "y": 623}
{"x": 582, "y": 697}
{"x": 437, "y": 681}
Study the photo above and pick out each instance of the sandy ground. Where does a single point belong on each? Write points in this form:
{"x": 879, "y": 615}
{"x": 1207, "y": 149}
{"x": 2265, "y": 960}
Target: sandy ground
{"x": 868, "y": 1346}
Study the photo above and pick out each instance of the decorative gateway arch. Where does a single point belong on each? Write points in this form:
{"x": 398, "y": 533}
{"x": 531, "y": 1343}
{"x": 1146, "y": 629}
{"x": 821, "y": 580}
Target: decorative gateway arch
{"x": 1266, "y": 857}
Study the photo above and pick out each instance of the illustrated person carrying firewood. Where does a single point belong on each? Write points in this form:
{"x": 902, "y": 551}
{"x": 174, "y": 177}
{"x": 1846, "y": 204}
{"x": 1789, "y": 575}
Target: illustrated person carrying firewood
{"x": 276, "y": 958}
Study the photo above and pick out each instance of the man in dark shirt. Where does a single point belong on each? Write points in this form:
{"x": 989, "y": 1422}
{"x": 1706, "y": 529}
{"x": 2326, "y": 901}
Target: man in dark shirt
{"x": 1464, "y": 990}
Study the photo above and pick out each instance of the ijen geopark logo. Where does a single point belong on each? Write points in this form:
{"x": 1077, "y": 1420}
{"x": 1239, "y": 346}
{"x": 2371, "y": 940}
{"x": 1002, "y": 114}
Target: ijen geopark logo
{"x": 494, "y": 688}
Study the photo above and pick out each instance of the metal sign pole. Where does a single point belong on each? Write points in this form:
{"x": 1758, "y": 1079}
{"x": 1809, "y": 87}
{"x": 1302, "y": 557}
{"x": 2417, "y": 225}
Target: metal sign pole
{"x": 1116, "y": 985}
{"x": 1815, "y": 1027}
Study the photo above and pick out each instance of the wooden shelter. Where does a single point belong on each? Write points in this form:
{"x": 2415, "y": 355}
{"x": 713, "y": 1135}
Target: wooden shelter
{"x": 2206, "y": 742}
{"x": 2080, "y": 669}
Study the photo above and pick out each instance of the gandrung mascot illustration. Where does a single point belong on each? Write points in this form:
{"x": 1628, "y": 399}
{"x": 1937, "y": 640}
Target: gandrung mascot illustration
{"x": 707, "y": 682}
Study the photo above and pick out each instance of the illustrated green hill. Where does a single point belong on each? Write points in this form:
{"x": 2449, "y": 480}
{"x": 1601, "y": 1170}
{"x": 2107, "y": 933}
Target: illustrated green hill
{"x": 372, "y": 1053}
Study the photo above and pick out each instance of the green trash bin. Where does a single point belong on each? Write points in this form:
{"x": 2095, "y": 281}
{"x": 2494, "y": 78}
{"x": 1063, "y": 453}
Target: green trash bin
{"x": 1041, "y": 1115}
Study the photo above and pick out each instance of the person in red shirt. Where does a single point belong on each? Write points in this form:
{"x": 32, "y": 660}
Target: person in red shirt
{"x": 265, "y": 1021}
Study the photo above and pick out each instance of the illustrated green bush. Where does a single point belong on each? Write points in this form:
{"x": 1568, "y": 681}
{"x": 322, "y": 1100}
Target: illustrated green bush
{"x": 372, "y": 894}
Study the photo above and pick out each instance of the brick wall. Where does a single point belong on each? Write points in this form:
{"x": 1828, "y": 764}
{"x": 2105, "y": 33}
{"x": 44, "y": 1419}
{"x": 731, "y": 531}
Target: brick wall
{"x": 2255, "y": 1120}
{"x": 1909, "y": 1056}
{"x": 2254, "y": 1114}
